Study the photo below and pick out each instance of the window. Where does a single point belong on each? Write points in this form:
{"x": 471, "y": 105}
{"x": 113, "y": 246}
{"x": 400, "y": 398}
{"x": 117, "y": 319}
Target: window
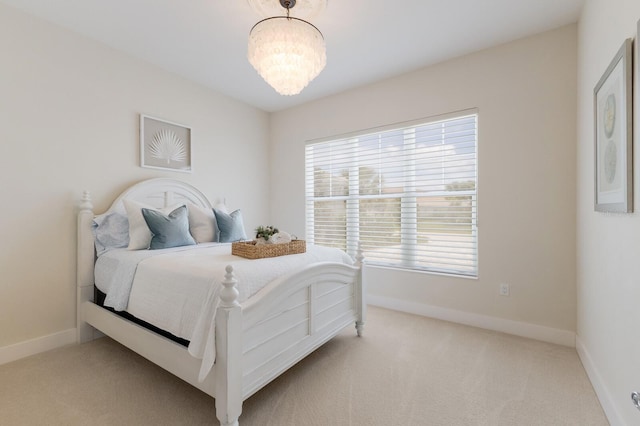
{"x": 407, "y": 194}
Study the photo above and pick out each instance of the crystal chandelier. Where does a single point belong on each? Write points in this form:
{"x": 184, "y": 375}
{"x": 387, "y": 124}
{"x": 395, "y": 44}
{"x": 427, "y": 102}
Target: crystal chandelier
{"x": 287, "y": 52}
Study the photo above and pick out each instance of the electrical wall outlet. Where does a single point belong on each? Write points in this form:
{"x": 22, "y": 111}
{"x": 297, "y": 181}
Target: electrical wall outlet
{"x": 504, "y": 289}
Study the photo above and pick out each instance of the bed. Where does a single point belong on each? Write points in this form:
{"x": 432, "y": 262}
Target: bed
{"x": 253, "y": 338}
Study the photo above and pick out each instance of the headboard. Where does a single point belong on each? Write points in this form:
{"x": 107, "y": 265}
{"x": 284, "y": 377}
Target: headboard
{"x": 159, "y": 192}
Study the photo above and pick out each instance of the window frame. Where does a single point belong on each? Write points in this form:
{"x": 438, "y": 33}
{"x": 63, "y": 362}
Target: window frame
{"x": 409, "y": 233}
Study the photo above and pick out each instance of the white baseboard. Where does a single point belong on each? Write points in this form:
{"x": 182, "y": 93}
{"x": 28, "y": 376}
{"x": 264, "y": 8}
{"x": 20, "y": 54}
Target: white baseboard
{"x": 604, "y": 396}
{"x": 35, "y": 346}
{"x": 532, "y": 331}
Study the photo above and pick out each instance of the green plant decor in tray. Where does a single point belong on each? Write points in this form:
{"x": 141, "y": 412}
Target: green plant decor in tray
{"x": 266, "y": 232}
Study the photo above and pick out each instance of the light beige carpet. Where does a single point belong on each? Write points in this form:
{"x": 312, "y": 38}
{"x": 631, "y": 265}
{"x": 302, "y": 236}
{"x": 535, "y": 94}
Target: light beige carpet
{"x": 407, "y": 370}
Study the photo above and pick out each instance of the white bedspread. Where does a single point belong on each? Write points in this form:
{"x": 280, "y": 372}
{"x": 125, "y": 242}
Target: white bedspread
{"x": 177, "y": 289}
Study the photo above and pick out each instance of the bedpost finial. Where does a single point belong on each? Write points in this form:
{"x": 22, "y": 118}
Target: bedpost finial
{"x": 359, "y": 254}
{"x": 229, "y": 294}
{"x": 85, "y": 201}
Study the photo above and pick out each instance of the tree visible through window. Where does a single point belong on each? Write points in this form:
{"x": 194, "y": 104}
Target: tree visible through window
{"x": 408, "y": 195}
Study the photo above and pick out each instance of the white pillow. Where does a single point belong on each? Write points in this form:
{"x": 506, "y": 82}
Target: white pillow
{"x": 139, "y": 233}
{"x": 202, "y": 224}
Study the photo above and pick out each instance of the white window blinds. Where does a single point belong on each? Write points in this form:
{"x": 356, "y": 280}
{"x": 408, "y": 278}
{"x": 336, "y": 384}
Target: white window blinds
{"x": 407, "y": 194}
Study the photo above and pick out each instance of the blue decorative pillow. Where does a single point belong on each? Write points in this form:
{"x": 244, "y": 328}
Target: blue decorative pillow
{"x": 110, "y": 231}
{"x": 231, "y": 226}
{"x": 170, "y": 230}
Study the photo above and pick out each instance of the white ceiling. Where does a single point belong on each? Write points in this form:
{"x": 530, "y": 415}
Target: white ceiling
{"x": 367, "y": 40}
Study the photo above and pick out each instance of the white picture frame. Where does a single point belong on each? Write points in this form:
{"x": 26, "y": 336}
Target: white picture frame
{"x": 613, "y": 134}
{"x": 164, "y": 145}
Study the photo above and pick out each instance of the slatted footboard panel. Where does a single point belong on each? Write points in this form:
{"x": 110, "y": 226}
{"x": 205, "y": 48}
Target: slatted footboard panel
{"x": 334, "y": 305}
{"x": 295, "y": 326}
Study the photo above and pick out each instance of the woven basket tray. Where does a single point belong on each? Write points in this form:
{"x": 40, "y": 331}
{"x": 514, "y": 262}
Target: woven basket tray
{"x": 251, "y": 250}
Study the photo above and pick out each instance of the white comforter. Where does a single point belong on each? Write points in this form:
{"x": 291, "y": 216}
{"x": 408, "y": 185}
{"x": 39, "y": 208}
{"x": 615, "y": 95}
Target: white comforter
{"x": 177, "y": 289}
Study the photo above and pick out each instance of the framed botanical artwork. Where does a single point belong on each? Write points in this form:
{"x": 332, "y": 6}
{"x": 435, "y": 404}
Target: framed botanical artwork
{"x": 164, "y": 145}
{"x": 614, "y": 134}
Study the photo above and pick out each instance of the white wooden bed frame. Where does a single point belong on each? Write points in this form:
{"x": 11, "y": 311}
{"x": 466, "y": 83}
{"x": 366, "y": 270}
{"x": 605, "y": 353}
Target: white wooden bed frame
{"x": 257, "y": 340}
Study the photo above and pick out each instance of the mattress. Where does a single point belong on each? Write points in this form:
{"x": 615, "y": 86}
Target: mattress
{"x": 99, "y": 300}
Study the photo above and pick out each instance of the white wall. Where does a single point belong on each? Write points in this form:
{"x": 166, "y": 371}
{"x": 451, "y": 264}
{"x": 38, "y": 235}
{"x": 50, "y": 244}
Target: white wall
{"x": 526, "y": 94}
{"x": 608, "y": 245}
{"x": 69, "y": 112}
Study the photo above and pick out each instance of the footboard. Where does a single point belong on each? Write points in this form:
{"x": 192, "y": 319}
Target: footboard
{"x": 296, "y": 314}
